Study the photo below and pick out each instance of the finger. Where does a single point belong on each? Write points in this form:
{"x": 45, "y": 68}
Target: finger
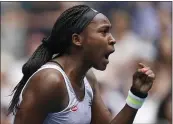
{"x": 139, "y": 74}
{"x": 148, "y": 72}
{"x": 143, "y": 70}
{"x": 139, "y": 70}
{"x": 141, "y": 65}
{"x": 149, "y": 80}
{"x": 152, "y": 76}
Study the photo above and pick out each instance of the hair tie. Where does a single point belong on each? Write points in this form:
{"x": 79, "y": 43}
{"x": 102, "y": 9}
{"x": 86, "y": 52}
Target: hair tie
{"x": 86, "y": 18}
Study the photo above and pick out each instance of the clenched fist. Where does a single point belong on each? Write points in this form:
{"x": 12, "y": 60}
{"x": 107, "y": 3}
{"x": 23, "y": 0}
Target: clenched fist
{"x": 143, "y": 79}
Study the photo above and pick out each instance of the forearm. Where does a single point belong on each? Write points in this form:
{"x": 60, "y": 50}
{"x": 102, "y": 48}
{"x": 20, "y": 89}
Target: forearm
{"x": 142, "y": 83}
{"x": 133, "y": 103}
{"x": 125, "y": 116}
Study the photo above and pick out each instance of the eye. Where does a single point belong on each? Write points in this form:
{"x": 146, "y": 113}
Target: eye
{"x": 105, "y": 31}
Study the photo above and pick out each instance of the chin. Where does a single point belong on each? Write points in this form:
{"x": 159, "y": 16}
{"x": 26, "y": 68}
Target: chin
{"x": 101, "y": 68}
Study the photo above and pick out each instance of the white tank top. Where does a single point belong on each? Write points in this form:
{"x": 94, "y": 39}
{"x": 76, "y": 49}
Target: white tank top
{"x": 77, "y": 112}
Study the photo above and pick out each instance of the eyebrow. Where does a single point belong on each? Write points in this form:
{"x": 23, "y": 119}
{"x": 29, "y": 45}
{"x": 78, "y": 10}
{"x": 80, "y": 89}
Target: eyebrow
{"x": 105, "y": 26}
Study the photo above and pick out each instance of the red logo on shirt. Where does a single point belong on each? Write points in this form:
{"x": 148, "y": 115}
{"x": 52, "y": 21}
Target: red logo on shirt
{"x": 74, "y": 108}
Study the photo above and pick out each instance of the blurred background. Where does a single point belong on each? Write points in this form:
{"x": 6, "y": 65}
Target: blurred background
{"x": 143, "y": 33}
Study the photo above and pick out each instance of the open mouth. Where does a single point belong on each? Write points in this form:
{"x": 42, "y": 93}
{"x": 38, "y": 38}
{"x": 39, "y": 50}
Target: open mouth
{"x": 106, "y": 56}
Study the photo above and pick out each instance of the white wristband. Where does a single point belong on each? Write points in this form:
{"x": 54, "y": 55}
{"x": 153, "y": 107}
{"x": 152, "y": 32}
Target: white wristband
{"x": 134, "y": 101}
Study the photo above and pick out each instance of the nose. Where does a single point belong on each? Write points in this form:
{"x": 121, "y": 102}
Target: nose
{"x": 111, "y": 40}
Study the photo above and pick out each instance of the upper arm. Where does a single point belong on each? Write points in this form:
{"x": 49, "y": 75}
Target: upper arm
{"x": 100, "y": 113}
{"x": 37, "y": 97}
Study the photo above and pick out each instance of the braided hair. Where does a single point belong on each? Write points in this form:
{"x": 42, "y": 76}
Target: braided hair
{"x": 57, "y": 43}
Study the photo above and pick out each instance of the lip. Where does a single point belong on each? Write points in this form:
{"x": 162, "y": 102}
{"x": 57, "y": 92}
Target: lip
{"x": 106, "y": 61}
{"x": 113, "y": 50}
{"x": 108, "y": 53}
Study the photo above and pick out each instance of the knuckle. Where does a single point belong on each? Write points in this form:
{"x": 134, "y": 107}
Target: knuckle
{"x": 150, "y": 71}
{"x": 152, "y": 76}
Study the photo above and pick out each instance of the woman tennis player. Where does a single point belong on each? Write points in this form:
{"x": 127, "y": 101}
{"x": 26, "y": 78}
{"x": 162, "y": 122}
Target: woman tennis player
{"x": 58, "y": 86}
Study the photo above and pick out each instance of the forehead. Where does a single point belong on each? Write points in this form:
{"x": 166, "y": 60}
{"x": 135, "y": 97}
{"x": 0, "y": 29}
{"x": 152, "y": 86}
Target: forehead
{"x": 99, "y": 19}
{"x": 98, "y": 22}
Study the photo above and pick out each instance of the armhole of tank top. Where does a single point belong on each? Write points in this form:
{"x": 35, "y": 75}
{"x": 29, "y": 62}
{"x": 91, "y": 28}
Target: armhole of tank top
{"x": 66, "y": 84}
{"x": 89, "y": 86}
{"x": 46, "y": 66}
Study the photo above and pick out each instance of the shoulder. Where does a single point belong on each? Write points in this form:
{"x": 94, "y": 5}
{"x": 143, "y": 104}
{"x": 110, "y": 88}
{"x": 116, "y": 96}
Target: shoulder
{"x": 44, "y": 87}
{"x": 46, "y": 79}
{"x": 42, "y": 95}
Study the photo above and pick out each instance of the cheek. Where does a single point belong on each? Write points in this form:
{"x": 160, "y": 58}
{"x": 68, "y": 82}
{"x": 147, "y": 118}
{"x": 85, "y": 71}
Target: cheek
{"x": 96, "y": 42}
{"x": 95, "y": 47}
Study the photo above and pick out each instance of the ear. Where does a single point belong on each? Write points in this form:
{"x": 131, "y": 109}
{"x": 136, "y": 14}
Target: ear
{"x": 77, "y": 39}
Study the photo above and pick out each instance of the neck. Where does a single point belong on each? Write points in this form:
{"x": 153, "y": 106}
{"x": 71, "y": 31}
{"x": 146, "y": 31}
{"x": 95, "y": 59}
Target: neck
{"x": 74, "y": 67}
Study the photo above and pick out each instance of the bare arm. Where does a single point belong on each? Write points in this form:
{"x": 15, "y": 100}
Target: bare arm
{"x": 101, "y": 115}
{"x": 38, "y": 98}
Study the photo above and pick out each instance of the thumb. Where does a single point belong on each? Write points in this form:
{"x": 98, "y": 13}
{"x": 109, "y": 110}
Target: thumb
{"x": 142, "y": 68}
{"x": 141, "y": 65}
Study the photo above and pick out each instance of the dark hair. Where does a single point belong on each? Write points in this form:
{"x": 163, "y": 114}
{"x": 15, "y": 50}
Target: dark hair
{"x": 57, "y": 43}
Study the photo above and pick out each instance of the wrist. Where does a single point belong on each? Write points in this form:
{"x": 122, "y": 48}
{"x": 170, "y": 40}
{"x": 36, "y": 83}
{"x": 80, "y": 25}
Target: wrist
{"x": 134, "y": 101}
{"x": 137, "y": 93}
